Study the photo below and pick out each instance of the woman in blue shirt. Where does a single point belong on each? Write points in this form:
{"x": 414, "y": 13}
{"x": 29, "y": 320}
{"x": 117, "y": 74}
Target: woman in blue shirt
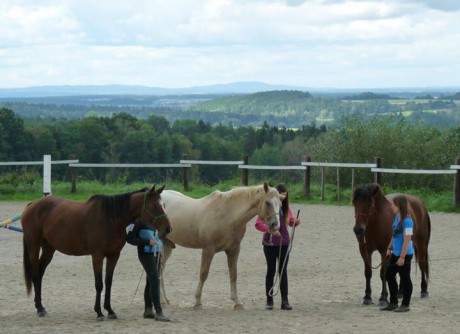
{"x": 401, "y": 251}
{"x": 149, "y": 246}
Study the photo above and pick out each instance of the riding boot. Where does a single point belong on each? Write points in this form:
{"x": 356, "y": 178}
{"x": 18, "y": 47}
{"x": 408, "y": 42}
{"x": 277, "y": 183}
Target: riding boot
{"x": 148, "y": 313}
{"x": 285, "y": 304}
{"x": 269, "y": 305}
{"x": 161, "y": 317}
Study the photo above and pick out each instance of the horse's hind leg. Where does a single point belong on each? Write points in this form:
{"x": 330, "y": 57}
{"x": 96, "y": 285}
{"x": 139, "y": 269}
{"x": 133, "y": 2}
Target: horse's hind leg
{"x": 45, "y": 259}
{"x": 422, "y": 258}
{"x": 232, "y": 260}
{"x": 110, "y": 267}
{"x": 99, "y": 285}
{"x": 206, "y": 259}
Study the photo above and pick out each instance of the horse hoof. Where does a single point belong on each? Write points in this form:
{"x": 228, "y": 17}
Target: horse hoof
{"x": 383, "y": 303}
{"x": 112, "y": 316}
{"x": 100, "y": 318}
{"x": 197, "y": 307}
{"x": 41, "y": 314}
{"x": 424, "y": 294}
{"x": 238, "y": 307}
{"x": 367, "y": 301}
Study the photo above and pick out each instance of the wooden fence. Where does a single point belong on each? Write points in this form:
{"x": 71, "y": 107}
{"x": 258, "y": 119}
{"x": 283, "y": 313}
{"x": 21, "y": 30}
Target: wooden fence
{"x": 245, "y": 167}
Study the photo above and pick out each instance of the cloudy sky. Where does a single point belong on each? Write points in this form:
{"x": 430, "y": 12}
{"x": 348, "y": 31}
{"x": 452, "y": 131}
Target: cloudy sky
{"x": 184, "y": 43}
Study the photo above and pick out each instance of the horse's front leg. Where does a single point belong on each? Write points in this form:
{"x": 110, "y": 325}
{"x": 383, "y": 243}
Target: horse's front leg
{"x": 165, "y": 254}
{"x": 109, "y": 269}
{"x": 367, "y": 299}
{"x": 206, "y": 258}
{"x": 383, "y": 301}
{"x": 97, "y": 269}
{"x": 232, "y": 260}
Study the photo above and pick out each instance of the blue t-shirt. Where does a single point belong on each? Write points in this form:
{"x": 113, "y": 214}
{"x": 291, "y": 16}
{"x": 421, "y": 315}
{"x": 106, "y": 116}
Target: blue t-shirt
{"x": 398, "y": 236}
{"x": 149, "y": 234}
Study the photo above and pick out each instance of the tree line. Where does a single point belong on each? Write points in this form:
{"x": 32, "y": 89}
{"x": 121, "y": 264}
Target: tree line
{"x": 123, "y": 138}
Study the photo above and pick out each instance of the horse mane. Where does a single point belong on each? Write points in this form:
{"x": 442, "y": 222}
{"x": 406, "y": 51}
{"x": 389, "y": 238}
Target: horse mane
{"x": 115, "y": 206}
{"x": 236, "y": 192}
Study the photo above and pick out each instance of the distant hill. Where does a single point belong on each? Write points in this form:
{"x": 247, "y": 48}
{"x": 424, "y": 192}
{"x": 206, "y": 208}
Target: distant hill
{"x": 218, "y": 89}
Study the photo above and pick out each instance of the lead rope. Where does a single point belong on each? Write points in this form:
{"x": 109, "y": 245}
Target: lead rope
{"x": 278, "y": 273}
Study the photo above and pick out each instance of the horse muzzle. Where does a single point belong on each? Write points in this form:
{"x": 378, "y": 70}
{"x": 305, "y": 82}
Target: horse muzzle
{"x": 359, "y": 231}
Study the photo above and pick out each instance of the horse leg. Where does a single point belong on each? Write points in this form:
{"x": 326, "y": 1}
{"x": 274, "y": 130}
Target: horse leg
{"x": 206, "y": 258}
{"x": 383, "y": 301}
{"x": 32, "y": 272}
{"x": 165, "y": 254}
{"x": 109, "y": 269}
{"x": 232, "y": 260}
{"x": 367, "y": 299}
{"x": 45, "y": 259}
{"x": 98, "y": 260}
{"x": 422, "y": 258}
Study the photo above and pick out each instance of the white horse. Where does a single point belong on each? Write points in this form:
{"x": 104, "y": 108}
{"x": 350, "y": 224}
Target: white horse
{"x": 215, "y": 223}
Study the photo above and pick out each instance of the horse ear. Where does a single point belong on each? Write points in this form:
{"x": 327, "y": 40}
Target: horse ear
{"x": 374, "y": 189}
{"x": 161, "y": 189}
{"x": 152, "y": 190}
{"x": 266, "y": 186}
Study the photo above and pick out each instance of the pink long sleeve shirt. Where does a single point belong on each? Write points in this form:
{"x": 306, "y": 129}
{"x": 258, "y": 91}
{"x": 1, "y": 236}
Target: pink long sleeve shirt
{"x": 275, "y": 241}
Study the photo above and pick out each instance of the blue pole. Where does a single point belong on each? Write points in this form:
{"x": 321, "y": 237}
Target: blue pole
{"x": 14, "y": 228}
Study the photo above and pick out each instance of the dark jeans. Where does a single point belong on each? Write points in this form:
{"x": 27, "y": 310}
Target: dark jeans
{"x": 272, "y": 255}
{"x": 152, "y": 283}
{"x": 405, "y": 280}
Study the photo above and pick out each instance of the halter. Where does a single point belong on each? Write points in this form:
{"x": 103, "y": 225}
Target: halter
{"x": 144, "y": 208}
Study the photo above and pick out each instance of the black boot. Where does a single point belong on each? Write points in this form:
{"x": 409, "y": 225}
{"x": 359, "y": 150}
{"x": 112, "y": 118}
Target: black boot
{"x": 285, "y": 304}
{"x": 148, "y": 313}
{"x": 269, "y": 305}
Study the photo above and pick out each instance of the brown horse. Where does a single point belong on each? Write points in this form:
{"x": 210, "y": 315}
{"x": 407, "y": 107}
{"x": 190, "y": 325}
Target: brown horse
{"x": 95, "y": 227}
{"x": 374, "y": 215}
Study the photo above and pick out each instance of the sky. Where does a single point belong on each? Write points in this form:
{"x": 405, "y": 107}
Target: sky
{"x": 187, "y": 43}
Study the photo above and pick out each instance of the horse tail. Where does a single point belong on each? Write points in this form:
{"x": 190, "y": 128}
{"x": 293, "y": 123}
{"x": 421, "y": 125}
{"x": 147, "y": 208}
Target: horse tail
{"x": 427, "y": 242}
{"x": 27, "y": 269}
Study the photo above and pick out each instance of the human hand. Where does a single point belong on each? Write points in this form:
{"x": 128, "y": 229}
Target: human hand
{"x": 400, "y": 261}
{"x": 152, "y": 242}
{"x": 296, "y": 222}
{"x": 388, "y": 252}
{"x": 277, "y": 233}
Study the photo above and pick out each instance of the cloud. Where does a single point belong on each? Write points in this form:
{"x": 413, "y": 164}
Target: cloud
{"x": 197, "y": 42}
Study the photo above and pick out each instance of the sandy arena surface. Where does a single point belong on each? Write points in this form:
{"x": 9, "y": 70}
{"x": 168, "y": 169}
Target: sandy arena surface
{"x": 325, "y": 276}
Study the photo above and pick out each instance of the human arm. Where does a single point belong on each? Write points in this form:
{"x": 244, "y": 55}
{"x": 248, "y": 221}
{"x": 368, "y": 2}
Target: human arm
{"x": 292, "y": 221}
{"x": 390, "y": 247}
{"x": 407, "y": 235}
{"x": 262, "y": 227}
{"x": 133, "y": 236}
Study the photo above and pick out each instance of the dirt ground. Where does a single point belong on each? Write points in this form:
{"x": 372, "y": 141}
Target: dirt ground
{"x": 326, "y": 285}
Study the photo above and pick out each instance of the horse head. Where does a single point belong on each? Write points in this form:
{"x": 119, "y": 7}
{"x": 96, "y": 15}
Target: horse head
{"x": 153, "y": 205}
{"x": 269, "y": 207}
{"x": 363, "y": 199}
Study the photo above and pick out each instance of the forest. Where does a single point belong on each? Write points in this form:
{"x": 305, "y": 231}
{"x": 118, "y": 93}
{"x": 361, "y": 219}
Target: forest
{"x": 357, "y": 134}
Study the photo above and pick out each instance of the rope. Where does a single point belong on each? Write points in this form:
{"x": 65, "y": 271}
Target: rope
{"x": 279, "y": 274}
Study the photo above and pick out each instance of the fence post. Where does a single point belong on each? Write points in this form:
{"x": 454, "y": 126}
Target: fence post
{"x": 457, "y": 186}
{"x": 244, "y": 171}
{"x": 322, "y": 183}
{"x": 185, "y": 173}
{"x": 73, "y": 180}
{"x": 377, "y": 175}
{"x": 46, "y": 175}
{"x": 306, "y": 178}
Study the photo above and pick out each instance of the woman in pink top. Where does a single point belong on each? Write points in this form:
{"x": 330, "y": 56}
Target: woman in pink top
{"x": 273, "y": 253}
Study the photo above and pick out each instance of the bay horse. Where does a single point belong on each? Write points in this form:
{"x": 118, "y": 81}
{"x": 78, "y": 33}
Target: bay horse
{"x": 95, "y": 227}
{"x": 215, "y": 223}
{"x": 374, "y": 216}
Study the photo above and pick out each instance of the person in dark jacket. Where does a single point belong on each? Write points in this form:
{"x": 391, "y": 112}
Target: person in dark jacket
{"x": 149, "y": 246}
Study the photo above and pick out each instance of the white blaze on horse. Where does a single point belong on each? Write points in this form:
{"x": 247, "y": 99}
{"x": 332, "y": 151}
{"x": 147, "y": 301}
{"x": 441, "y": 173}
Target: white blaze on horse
{"x": 216, "y": 223}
